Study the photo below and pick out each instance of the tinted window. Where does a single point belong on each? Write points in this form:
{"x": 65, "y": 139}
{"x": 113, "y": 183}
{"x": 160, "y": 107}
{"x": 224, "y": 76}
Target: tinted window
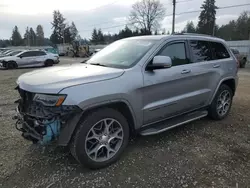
{"x": 200, "y": 50}
{"x": 176, "y": 52}
{"x": 219, "y": 50}
{"x": 28, "y": 54}
{"x": 40, "y": 53}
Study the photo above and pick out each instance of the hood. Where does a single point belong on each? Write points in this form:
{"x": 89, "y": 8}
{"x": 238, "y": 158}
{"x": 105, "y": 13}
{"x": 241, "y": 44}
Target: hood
{"x": 6, "y": 58}
{"x": 54, "y": 79}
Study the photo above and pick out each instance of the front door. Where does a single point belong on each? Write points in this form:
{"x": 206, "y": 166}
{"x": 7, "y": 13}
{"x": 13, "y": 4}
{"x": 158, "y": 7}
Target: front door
{"x": 171, "y": 91}
{"x": 27, "y": 58}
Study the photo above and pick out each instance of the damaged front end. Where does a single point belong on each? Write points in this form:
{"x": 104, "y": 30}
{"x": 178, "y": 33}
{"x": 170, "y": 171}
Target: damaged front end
{"x": 42, "y": 122}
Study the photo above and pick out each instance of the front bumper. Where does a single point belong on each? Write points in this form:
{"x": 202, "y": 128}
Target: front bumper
{"x": 38, "y": 123}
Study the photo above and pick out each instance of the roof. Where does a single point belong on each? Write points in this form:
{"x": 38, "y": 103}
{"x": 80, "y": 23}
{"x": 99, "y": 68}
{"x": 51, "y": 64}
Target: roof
{"x": 181, "y": 35}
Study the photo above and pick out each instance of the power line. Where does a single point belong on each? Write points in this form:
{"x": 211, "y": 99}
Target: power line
{"x": 93, "y": 25}
{"x": 183, "y": 1}
{"x": 180, "y": 13}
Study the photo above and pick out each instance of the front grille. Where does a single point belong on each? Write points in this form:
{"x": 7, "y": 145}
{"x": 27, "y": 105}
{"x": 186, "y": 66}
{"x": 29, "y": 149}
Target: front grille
{"x": 26, "y": 99}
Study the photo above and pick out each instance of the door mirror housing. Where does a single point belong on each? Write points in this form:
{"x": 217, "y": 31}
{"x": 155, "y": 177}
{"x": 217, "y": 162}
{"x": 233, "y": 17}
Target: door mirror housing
{"x": 160, "y": 62}
{"x": 20, "y": 56}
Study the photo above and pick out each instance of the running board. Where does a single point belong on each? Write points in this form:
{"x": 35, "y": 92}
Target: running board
{"x": 173, "y": 122}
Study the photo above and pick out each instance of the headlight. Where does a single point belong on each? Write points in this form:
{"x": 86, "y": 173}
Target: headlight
{"x": 50, "y": 100}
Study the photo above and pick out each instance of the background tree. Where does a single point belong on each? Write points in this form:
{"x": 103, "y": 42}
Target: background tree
{"x": 26, "y": 37}
{"x": 16, "y": 37}
{"x": 207, "y": 17}
{"x": 39, "y": 35}
{"x": 67, "y": 35}
{"x": 94, "y": 38}
{"x": 73, "y": 31}
{"x": 32, "y": 37}
{"x": 100, "y": 37}
{"x": 58, "y": 27}
{"x": 125, "y": 33}
{"x": 238, "y": 29}
{"x": 189, "y": 28}
{"x": 5, "y": 43}
{"x": 146, "y": 15}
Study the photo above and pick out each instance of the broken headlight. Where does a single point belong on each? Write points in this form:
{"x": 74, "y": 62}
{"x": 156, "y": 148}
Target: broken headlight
{"x": 49, "y": 100}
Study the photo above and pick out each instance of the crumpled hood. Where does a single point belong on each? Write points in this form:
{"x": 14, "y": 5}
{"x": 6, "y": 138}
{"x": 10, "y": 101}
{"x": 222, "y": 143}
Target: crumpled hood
{"x": 54, "y": 79}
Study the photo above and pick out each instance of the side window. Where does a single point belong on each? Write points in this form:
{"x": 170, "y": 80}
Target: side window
{"x": 27, "y": 54}
{"x": 40, "y": 53}
{"x": 219, "y": 50}
{"x": 200, "y": 50}
{"x": 177, "y": 52}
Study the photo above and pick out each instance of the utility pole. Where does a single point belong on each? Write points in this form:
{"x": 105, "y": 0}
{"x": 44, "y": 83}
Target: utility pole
{"x": 173, "y": 22}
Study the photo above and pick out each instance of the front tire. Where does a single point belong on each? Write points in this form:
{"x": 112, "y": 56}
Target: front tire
{"x": 101, "y": 138}
{"x": 11, "y": 65}
{"x": 221, "y": 103}
{"x": 48, "y": 63}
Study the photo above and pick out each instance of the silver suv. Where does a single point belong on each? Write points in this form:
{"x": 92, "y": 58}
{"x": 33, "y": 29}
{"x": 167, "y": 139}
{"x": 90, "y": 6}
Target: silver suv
{"x": 143, "y": 85}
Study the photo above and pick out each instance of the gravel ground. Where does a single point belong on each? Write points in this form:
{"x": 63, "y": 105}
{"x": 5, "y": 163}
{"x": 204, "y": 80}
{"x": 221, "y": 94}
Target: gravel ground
{"x": 204, "y": 153}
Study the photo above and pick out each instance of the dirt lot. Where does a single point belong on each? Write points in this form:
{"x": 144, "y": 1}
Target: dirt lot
{"x": 204, "y": 153}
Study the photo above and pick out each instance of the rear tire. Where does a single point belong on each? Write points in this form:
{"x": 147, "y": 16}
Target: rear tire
{"x": 11, "y": 65}
{"x": 100, "y": 138}
{"x": 221, "y": 103}
{"x": 243, "y": 63}
{"x": 48, "y": 63}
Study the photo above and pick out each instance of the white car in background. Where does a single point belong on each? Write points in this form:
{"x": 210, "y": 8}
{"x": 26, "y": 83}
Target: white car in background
{"x": 28, "y": 58}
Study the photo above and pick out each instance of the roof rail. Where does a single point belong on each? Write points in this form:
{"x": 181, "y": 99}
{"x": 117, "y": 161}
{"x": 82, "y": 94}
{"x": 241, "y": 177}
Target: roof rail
{"x": 198, "y": 34}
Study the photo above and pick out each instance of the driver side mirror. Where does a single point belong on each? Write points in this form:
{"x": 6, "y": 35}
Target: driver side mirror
{"x": 160, "y": 62}
{"x": 20, "y": 56}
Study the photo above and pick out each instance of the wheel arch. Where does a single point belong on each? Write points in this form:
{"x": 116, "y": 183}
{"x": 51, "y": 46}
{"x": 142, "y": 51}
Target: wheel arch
{"x": 230, "y": 82}
{"x": 11, "y": 61}
{"x": 120, "y": 105}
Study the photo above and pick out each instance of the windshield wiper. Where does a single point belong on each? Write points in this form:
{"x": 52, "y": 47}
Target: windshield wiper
{"x": 98, "y": 64}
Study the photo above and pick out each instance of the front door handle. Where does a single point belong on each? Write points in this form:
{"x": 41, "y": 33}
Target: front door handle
{"x": 216, "y": 66}
{"x": 185, "y": 71}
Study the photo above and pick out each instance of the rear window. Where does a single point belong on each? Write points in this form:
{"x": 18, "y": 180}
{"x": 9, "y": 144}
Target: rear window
{"x": 200, "y": 50}
{"x": 219, "y": 51}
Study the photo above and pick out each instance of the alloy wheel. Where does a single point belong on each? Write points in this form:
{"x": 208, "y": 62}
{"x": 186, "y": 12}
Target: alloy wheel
{"x": 223, "y": 103}
{"x": 104, "y": 140}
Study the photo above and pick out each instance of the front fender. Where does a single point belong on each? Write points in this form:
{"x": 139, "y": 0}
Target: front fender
{"x": 68, "y": 131}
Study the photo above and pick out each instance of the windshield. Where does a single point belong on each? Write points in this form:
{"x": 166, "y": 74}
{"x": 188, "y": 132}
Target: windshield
{"x": 123, "y": 53}
{"x": 14, "y": 53}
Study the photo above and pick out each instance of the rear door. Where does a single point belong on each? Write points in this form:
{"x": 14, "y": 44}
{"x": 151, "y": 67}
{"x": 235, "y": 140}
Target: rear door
{"x": 206, "y": 67}
{"x": 40, "y": 57}
{"x": 223, "y": 64}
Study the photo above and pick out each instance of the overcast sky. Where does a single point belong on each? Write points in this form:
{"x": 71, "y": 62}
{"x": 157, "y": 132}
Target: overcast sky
{"x": 98, "y": 13}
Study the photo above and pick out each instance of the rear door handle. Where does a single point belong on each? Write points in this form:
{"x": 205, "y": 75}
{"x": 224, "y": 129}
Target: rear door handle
{"x": 216, "y": 66}
{"x": 185, "y": 71}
